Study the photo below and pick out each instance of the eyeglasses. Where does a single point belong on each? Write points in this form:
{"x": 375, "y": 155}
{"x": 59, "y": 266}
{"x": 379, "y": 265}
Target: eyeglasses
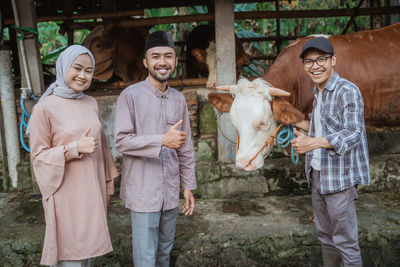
{"x": 321, "y": 61}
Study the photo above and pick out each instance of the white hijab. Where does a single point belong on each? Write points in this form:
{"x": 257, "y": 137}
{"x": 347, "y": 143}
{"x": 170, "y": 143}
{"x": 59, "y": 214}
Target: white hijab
{"x": 60, "y": 86}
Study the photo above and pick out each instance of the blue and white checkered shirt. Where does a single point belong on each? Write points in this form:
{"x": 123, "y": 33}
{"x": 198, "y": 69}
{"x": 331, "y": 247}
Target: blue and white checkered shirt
{"x": 342, "y": 120}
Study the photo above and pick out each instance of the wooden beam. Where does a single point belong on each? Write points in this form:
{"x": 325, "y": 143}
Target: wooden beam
{"x": 123, "y": 84}
{"x": 321, "y": 13}
{"x": 269, "y": 38}
{"x": 105, "y": 15}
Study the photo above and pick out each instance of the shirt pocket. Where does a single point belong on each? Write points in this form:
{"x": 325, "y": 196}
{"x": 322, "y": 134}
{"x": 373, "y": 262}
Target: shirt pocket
{"x": 172, "y": 113}
{"x": 333, "y": 123}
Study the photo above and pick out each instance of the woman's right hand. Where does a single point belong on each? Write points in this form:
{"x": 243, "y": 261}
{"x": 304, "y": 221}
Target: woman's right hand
{"x": 87, "y": 144}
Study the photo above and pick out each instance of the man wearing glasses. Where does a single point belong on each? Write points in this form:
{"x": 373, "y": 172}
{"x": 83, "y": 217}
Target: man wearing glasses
{"x": 336, "y": 154}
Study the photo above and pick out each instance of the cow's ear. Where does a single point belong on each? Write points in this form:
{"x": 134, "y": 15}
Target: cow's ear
{"x": 222, "y": 102}
{"x": 284, "y": 112}
{"x": 200, "y": 55}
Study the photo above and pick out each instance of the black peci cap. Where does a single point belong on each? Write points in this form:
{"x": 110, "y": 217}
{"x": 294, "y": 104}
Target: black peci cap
{"x": 159, "y": 38}
{"x": 320, "y": 43}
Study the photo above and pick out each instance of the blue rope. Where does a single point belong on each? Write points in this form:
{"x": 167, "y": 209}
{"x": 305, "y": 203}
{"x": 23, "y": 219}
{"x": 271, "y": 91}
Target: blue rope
{"x": 283, "y": 139}
{"x": 25, "y": 114}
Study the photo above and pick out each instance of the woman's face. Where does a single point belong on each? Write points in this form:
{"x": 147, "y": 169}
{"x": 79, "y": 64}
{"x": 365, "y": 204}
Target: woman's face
{"x": 80, "y": 74}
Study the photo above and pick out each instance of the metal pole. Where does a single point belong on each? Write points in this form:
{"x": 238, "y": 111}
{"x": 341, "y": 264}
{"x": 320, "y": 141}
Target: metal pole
{"x": 9, "y": 115}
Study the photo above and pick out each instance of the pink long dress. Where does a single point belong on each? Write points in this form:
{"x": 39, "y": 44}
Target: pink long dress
{"x": 74, "y": 186}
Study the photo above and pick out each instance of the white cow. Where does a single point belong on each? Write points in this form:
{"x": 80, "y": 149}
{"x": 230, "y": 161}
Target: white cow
{"x": 254, "y": 110}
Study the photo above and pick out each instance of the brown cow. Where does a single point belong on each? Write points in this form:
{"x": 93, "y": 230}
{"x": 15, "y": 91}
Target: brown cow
{"x": 118, "y": 52}
{"x": 201, "y": 54}
{"x": 368, "y": 58}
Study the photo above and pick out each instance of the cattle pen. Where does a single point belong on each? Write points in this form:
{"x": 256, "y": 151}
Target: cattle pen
{"x": 259, "y": 218}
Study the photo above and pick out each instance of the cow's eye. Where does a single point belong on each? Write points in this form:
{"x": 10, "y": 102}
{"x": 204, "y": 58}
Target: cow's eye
{"x": 263, "y": 125}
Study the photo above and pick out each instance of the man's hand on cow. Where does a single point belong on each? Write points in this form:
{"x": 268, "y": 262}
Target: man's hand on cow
{"x": 188, "y": 206}
{"x": 174, "y": 138}
{"x": 303, "y": 143}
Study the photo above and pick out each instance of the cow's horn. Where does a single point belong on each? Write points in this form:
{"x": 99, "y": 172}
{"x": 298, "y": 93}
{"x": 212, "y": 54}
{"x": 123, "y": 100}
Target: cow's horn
{"x": 226, "y": 88}
{"x": 278, "y": 92}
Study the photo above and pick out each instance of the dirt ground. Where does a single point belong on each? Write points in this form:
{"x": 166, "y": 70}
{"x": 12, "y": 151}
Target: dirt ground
{"x": 263, "y": 231}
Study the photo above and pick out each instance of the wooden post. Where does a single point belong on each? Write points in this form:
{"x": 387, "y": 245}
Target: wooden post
{"x": 9, "y": 115}
{"x": 394, "y": 18}
{"x": 278, "y": 43}
{"x": 29, "y": 58}
{"x": 226, "y": 73}
{"x": 371, "y": 18}
{"x": 25, "y": 12}
{"x": 5, "y": 183}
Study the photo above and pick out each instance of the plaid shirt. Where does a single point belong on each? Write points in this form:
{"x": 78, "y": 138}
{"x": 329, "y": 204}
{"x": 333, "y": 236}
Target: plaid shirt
{"x": 342, "y": 120}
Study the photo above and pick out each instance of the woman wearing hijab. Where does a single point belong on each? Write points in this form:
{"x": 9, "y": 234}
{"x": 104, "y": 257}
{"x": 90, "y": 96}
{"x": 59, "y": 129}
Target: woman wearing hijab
{"x": 72, "y": 164}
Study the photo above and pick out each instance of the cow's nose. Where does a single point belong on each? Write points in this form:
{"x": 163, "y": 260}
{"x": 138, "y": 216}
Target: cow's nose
{"x": 241, "y": 164}
{"x": 250, "y": 168}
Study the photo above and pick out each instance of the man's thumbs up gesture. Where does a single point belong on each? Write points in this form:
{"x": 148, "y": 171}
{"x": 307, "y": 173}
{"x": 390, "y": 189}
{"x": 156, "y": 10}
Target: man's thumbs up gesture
{"x": 87, "y": 144}
{"x": 174, "y": 138}
{"x": 303, "y": 143}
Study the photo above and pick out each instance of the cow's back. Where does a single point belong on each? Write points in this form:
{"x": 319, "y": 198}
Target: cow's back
{"x": 370, "y": 59}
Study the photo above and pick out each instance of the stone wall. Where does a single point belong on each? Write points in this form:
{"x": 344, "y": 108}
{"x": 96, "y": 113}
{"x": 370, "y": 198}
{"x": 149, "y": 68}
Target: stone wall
{"x": 279, "y": 176}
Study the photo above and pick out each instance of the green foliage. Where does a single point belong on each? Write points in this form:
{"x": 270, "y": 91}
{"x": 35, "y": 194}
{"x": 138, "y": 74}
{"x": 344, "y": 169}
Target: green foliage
{"x": 52, "y": 42}
{"x": 6, "y": 34}
{"x": 292, "y": 27}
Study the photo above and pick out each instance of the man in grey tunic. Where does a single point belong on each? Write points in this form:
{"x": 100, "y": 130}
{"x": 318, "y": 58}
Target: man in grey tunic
{"x": 152, "y": 131}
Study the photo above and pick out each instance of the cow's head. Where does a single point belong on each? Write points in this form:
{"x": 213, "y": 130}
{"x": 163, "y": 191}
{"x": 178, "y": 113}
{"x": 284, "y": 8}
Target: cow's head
{"x": 254, "y": 108}
{"x": 209, "y": 58}
{"x": 118, "y": 50}
{"x": 103, "y": 47}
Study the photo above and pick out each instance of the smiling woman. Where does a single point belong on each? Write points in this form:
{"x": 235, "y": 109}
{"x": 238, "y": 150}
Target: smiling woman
{"x": 80, "y": 74}
{"x": 72, "y": 164}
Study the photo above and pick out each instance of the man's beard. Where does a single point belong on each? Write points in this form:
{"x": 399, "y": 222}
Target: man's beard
{"x": 160, "y": 78}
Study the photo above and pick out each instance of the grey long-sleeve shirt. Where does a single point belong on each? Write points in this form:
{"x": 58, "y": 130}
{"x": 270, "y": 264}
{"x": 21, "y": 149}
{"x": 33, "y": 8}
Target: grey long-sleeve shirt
{"x": 152, "y": 173}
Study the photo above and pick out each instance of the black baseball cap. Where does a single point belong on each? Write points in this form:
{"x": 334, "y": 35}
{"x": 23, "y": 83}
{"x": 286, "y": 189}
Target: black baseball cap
{"x": 320, "y": 43}
{"x": 159, "y": 38}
